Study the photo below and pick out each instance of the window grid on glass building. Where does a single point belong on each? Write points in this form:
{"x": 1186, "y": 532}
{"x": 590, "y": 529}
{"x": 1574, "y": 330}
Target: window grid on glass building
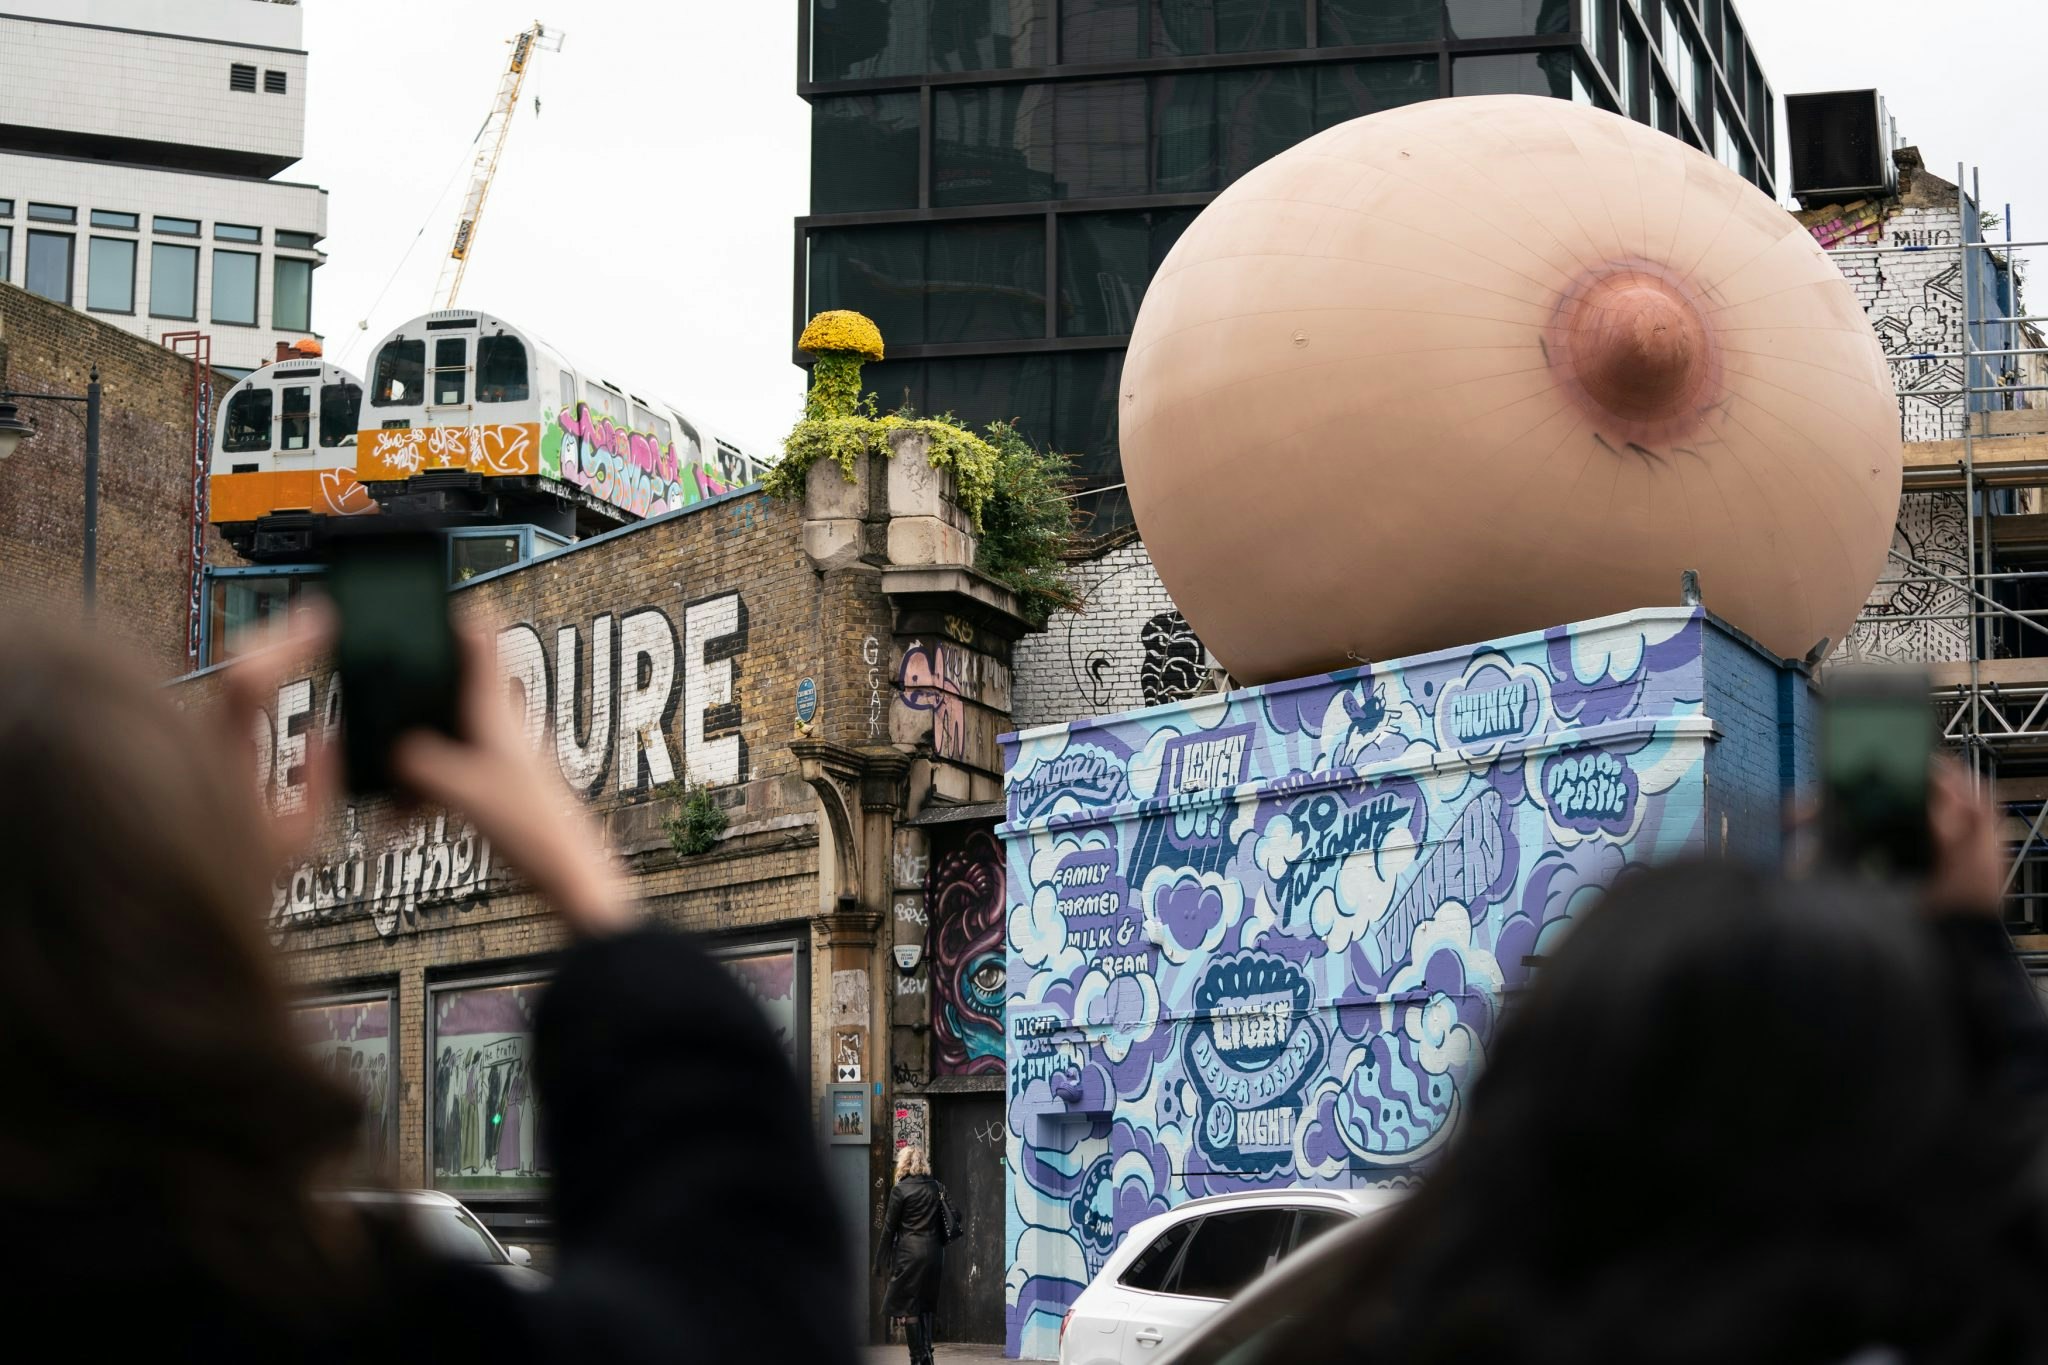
{"x": 994, "y": 181}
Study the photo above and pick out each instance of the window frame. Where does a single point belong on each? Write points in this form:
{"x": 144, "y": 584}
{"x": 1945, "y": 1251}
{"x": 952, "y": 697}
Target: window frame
{"x": 70, "y": 240}
{"x": 268, "y": 399}
{"x": 92, "y": 272}
{"x": 284, "y": 239}
{"x": 394, "y": 1078}
{"x": 154, "y": 248}
{"x": 520, "y": 393}
{"x": 231, "y": 232}
{"x": 65, "y": 214}
{"x": 348, "y": 437}
{"x": 540, "y": 974}
{"x": 1274, "y": 1252}
{"x": 113, "y": 220}
{"x": 213, "y": 315}
{"x": 6, "y": 253}
{"x": 212, "y": 574}
{"x": 277, "y": 269}
{"x": 158, "y": 220}
{"x": 376, "y": 361}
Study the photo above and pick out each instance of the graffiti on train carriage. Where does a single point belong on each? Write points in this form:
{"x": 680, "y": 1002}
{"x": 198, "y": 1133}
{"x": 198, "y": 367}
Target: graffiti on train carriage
{"x": 633, "y": 470}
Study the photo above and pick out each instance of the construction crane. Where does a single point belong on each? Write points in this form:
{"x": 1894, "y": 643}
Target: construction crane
{"x": 490, "y": 145}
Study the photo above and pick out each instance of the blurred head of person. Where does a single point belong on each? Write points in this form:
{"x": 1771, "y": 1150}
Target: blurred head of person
{"x": 1728, "y": 1121}
{"x": 158, "y": 1105}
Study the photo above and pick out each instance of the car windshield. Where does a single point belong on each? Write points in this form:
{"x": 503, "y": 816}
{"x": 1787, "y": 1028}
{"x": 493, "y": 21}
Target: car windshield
{"x": 452, "y": 1231}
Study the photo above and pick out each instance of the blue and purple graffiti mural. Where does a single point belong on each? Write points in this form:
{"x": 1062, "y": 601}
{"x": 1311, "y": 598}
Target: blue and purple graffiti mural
{"x": 1265, "y": 937}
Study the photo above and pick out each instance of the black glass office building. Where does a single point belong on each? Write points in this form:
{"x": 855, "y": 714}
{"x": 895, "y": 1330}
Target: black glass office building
{"x": 994, "y": 181}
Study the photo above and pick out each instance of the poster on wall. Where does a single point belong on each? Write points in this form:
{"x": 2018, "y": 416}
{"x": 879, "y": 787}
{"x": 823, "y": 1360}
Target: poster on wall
{"x": 769, "y": 976}
{"x": 483, "y": 1120}
{"x": 351, "y": 1041}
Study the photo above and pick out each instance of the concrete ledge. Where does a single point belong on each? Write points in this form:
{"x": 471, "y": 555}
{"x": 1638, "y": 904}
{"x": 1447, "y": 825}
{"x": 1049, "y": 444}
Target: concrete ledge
{"x": 950, "y": 587}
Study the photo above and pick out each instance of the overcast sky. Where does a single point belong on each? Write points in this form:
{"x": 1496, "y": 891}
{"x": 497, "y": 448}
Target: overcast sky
{"x": 642, "y": 223}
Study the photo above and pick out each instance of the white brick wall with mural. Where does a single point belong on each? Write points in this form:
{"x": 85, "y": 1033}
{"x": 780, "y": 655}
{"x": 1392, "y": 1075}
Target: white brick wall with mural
{"x": 1128, "y": 647}
{"x": 1915, "y": 304}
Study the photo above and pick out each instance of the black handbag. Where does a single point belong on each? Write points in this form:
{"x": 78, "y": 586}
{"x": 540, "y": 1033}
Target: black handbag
{"x": 949, "y": 1221}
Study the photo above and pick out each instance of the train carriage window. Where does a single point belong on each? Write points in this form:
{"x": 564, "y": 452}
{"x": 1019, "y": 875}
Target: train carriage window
{"x": 247, "y": 426}
{"x": 295, "y": 421}
{"x": 567, "y": 393}
{"x": 451, "y": 370}
{"x": 653, "y": 424}
{"x": 501, "y": 370}
{"x": 401, "y": 376}
{"x": 341, "y": 405}
{"x": 603, "y": 400}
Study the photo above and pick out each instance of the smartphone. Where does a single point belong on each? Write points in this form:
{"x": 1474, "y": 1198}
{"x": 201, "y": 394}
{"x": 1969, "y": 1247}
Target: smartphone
{"x": 395, "y": 648}
{"x": 1877, "y": 761}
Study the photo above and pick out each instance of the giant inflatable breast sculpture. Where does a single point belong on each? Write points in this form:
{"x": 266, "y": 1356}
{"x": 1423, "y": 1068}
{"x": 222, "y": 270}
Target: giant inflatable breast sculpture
{"x": 1485, "y": 365}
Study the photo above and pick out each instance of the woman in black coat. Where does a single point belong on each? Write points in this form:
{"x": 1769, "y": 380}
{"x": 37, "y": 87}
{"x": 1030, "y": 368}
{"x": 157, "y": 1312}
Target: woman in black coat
{"x": 913, "y": 1248}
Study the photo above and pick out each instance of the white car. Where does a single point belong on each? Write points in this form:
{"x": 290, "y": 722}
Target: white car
{"x": 447, "y": 1228}
{"x": 1176, "y": 1271}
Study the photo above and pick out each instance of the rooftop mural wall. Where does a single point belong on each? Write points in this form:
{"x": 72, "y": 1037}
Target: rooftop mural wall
{"x": 1264, "y": 938}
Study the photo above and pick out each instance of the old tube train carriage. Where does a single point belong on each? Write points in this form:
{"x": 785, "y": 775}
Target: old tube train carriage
{"x": 465, "y": 419}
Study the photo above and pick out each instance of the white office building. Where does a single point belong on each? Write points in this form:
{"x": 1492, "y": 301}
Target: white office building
{"x": 138, "y": 144}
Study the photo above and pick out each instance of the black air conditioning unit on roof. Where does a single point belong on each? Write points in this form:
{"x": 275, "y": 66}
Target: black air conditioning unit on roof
{"x": 1841, "y": 147}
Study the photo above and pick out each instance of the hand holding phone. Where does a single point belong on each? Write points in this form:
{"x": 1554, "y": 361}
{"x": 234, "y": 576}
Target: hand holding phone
{"x": 1877, "y": 770}
{"x": 395, "y": 649}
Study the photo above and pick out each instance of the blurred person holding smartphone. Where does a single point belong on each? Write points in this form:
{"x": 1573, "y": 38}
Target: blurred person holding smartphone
{"x": 163, "y": 1133}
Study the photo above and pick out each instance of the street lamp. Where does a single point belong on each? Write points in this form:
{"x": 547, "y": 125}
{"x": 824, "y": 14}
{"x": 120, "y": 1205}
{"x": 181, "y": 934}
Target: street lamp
{"x": 14, "y": 429}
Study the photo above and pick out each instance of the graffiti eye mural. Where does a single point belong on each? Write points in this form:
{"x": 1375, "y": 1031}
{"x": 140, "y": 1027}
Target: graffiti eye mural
{"x": 964, "y": 907}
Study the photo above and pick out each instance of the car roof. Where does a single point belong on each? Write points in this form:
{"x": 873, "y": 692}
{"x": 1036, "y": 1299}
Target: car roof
{"x": 1363, "y": 1200}
{"x": 433, "y": 1197}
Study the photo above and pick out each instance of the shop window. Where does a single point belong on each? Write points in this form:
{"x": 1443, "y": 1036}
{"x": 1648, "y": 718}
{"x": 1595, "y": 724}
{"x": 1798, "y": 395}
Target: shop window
{"x": 772, "y": 976}
{"x": 341, "y": 408}
{"x": 864, "y": 153}
{"x": 400, "y": 378}
{"x": 295, "y": 417}
{"x": 234, "y": 287}
{"x": 110, "y": 275}
{"x": 173, "y": 281}
{"x": 1354, "y": 23}
{"x": 246, "y": 428}
{"x": 483, "y": 1114}
{"x": 501, "y": 370}
{"x": 353, "y": 1041}
{"x": 291, "y": 294}
{"x": 49, "y": 266}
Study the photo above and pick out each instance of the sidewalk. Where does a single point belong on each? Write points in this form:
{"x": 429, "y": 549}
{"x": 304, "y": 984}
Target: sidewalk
{"x": 948, "y": 1354}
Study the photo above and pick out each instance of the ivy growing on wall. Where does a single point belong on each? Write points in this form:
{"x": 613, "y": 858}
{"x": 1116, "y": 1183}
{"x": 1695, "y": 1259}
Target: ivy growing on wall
{"x": 1018, "y": 496}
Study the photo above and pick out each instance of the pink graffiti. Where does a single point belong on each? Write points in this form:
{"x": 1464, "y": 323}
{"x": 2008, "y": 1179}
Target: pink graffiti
{"x": 639, "y": 449}
{"x": 930, "y": 680}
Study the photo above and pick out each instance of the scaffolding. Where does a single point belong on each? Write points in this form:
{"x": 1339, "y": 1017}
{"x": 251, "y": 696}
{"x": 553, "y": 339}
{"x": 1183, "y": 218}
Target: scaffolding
{"x": 1992, "y": 705}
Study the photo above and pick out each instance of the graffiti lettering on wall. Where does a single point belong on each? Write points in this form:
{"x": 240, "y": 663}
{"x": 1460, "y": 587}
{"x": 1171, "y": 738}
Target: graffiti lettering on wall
{"x": 1287, "y": 964}
{"x": 871, "y": 655}
{"x": 442, "y": 865}
{"x": 964, "y": 908}
{"x": 937, "y": 680}
{"x": 913, "y": 1123}
{"x": 485, "y": 1129}
{"x": 637, "y": 471}
{"x": 623, "y": 702}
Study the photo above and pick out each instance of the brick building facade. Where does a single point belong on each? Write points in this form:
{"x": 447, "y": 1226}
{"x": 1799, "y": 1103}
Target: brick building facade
{"x": 836, "y": 678}
{"x": 146, "y": 476}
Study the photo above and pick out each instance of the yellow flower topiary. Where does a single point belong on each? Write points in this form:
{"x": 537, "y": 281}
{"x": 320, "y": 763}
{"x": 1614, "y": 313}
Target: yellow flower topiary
{"x": 844, "y": 331}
